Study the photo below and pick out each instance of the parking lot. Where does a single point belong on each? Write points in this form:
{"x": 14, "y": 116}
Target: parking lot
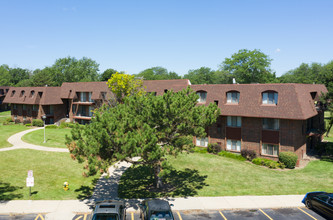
{"x": 261, "y": 214}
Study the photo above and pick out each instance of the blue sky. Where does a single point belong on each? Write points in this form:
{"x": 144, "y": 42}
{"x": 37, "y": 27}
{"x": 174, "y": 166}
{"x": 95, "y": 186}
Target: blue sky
{"x": 178, "y": 35}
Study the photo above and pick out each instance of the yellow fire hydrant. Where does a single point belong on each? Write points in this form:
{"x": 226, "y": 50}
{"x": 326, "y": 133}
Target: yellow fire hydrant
{"x": 66, "y": 186}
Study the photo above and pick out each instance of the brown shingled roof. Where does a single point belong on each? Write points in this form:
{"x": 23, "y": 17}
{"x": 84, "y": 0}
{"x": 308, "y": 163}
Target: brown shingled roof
{"x": 159, "y": 86}
{"x": 68, "y": 90}
{"x": 31, "y": 95}
{"x": 294, "y": 100}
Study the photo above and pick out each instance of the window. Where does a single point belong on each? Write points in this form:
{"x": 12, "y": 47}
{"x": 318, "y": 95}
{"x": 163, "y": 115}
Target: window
{"x": 323, "y": 198}
{"x": 203, "y": 142}
{"x": 91, "y": 109}
{"x": 234, "y": 121}
{"x": 24, "y": 107}
{"x": 270, "y": 98}
{"x": 83, "y": 97}
{"x": 51, "y": 109}
{"x": 89, "y": 95}
{"x": 13, "y": 93}
{"x": 32, "y": 93}
{"x": 270, "y": 124}
{"x": 233, "y": 145}
{"x": 34, "y": 107}
{"x": 233, "y": 97}
{"x": 103, "y": 95}
{"x": 22, "y": 93}
{"x": 202, "y": 97}
{"x": 270, "y": 149}
{"x": 14, "y": 106}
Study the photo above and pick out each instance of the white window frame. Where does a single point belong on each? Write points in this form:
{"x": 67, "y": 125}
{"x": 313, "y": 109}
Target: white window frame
{"x": 234, "y": 121}
{"x": 202, "y": 96}
{"x": 202, "y": 142}
{"x": 234, "y": 145}
{"x": 270, "y": 98}
{"x": 276, "y": 124}
{"x": 270, "y": 149}
{"x": 233, "y": 97}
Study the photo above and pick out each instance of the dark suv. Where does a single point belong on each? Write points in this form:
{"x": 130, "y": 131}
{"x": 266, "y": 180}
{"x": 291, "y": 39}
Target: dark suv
{"x": 152, "y": 209}
{"x": 109, "y": 210}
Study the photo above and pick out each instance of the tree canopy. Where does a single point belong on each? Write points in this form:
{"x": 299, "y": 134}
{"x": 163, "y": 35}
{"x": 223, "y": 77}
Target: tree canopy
{"x": 203, "y": 75}
{"x": 144, "y": 125}
{"x": 157, "y": 73}
{"x": 249, "y": 66}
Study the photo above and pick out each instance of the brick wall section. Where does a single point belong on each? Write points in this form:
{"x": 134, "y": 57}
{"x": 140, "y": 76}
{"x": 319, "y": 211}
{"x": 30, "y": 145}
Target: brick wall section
{"x": 292, "y": 135}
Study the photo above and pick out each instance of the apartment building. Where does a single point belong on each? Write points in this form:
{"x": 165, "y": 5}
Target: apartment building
{"x": 266, "y": 118}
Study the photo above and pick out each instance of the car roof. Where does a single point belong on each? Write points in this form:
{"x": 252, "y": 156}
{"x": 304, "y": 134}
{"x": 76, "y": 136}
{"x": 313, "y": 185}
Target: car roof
{"x": 158, "y": 205}
{"x": 109, "y": 206}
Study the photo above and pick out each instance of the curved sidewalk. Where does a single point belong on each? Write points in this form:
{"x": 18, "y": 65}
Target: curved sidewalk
{"x": 17, "y": 143}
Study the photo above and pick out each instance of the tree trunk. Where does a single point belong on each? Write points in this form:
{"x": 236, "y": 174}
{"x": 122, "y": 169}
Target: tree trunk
{"x": 158, "y": 179}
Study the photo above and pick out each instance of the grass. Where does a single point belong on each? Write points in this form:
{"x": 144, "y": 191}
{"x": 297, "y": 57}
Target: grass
{"x": 219, "y": 176}
{"x": 54, "y": 137}
{"x": 50, "y": 171}
{"x": 4, "y": 115}
{"x": 8, "y": 130}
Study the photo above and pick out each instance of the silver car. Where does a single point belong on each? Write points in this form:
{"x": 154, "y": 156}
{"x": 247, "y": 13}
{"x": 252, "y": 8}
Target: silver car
{"x": 109, "y": 210}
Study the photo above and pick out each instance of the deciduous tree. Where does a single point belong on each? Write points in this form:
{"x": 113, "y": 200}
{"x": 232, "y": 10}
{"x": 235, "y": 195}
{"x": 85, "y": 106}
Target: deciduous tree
{"x": 249, "y": 66}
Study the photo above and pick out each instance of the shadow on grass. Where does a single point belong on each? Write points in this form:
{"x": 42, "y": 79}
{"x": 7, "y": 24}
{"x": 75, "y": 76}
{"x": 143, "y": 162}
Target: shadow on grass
{"x": 137, "y": 182}
{"x": 7, "y": 192}
{"x": 85, "y": 192}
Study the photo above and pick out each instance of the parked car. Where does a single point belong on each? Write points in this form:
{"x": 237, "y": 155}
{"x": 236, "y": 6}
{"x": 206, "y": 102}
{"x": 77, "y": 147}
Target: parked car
{"x": 155, "y": 209}
{"x": 109, "y": 210}
{"x": 320, "y": 201}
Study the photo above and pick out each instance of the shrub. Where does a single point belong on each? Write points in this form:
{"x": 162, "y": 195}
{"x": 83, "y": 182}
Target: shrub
{"x": 37, "y": 122}
{"x": 268, "y": 163}
{"x": 66, "y": 125}
{"x": 28, "y": 125}
{"x": 201, "y": 150}
{"x": 214, "y": 148}
{"x": 289, "y": 159}
{"x": 17, "y": 121}
{"x": 248, "y": 154}
{"x": 231, "y": 155}
{"x": 27, "y": 121}
{"x": 9, "y": 119}
{"x": 51, "y": 127}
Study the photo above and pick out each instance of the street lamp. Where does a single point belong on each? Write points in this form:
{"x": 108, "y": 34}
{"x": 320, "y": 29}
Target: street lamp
{"x": 44, "y": 118}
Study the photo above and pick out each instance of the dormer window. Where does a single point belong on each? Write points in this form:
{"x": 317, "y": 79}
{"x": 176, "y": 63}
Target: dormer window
{"x": 270, "y": 98}
{"x": 233, "y": 97}
{"x": 13, "y": 93}
{"x": 22, "y": 93}
{"x": 32, "y": 93}
{"x": 202, "y": 96}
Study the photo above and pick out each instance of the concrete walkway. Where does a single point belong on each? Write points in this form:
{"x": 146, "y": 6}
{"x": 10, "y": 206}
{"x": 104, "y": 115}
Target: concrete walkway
{"x": 190, "y": 203}
{"x": 17, "y": 143}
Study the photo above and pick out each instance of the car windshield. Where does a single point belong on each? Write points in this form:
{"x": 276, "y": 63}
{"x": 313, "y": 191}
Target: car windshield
{"x": 105, "y": 216}
{"x": 160, "y": 215}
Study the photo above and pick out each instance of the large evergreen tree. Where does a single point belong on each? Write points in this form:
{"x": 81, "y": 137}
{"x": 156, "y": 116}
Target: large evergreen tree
{"x": 143, "y": 125}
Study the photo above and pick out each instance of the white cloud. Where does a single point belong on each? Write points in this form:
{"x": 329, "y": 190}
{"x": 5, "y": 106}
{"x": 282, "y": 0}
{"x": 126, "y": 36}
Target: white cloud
{"x": 277, "y": 50}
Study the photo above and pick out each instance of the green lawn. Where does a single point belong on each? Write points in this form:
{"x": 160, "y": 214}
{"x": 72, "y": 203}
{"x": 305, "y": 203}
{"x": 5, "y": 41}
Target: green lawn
{"x": 210, "y": 175}
{"x": 8, "y": 130}
{"x": 50, "y": 171}
{"x": 54, "y": 137}
{"x": 4, "y": 115}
